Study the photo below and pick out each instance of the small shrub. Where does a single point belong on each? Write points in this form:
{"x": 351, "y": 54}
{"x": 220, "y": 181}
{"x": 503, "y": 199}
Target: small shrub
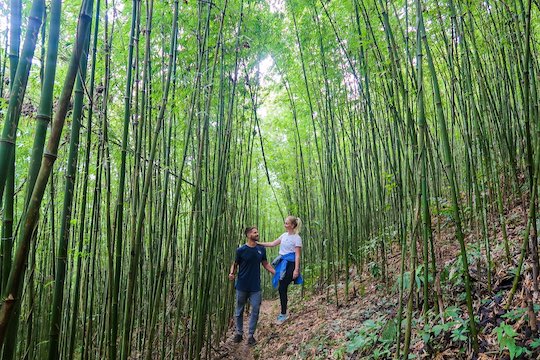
{"x": 506, "y": 335}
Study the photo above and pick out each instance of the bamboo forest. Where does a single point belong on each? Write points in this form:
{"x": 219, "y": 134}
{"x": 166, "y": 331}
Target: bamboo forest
{"x": 140, "y": 139}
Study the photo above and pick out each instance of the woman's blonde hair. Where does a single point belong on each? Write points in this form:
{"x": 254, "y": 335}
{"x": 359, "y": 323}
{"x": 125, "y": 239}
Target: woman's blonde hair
{"x": 297, "y": 223}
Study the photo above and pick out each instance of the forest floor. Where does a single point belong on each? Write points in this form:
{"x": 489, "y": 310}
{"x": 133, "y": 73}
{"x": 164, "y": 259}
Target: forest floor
{"x": 362, "y": 323}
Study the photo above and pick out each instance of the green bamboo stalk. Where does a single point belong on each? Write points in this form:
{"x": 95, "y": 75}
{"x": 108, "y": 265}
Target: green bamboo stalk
{"x": 18, "y": 90}
{"x": 14, "y": 284}
{"x": 137, "y": 238}
{"x": 86, "y": 171}
{"x": 449, "y": 167}
{"x": 7, "y": 226}
{"x": 43, "y": 119}
{"x": 423, "y": 138}
{"x": 4, "y": 65}
{"x": 93, "y": 239}
{"x": 531, "y": 219}
{"x": 529, "y": 158}
{"x": 526, "y": 235}
{"x": 57, "y": 305}
{"x": 119, "y": 226}
{"x": 107, "y": 336}
{"x": 46, "y": 100}
{"x": 15, "y": 11}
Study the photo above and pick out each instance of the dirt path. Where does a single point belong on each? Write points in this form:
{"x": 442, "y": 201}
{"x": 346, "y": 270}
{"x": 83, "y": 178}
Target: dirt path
{"x": 242, "y": 351}
{"x": 316, "y": 328}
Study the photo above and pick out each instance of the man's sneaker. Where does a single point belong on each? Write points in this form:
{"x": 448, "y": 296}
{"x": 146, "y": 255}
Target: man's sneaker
{"x": 282, "y": 318}
{"x": 237, "y": 338}
{"x": 251, "y": 341}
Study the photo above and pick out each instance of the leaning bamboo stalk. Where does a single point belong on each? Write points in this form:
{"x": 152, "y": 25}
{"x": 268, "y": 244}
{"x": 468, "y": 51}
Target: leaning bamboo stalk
{"x": 69, "y": 189}
{"x": 16, "y": 275}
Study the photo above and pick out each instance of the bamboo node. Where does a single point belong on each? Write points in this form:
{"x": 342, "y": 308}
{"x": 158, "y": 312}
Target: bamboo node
{"x": 7, "y": 141}
{"x": 50, "y": 155}
{"x": 45, "y": 117}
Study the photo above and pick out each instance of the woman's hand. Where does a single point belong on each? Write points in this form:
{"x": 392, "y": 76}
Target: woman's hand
{"x": 296, "y": 273}
{"x": 231, "y": 276}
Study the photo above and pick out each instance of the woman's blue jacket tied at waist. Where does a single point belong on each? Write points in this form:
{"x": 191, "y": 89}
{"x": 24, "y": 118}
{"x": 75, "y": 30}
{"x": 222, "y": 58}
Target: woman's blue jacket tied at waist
{"x": 280, "y": 264}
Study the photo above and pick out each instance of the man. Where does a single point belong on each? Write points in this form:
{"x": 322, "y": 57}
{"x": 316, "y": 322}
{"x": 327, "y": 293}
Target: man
{"x": 248, "y": 285}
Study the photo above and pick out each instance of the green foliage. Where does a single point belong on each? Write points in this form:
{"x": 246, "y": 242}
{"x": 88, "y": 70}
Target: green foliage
{"x": 389, "y": 182}
{"x": 535, "y": 343}
{"x": 375, "y": 337}
{"x": 319, "y": 348}
{"x": 340, "y": 353}
{"x": 310, "y": 273}
{"x": 455, "y": 323}
{"x": 460, "y": 332}
{"x": 431, "y": 330}
{"x": 444, "y": 209}
{"x": 418, "y": 278}
{"x": 374, "y": 269}
{"x": 506, "y": 336}
{"x": 364, "y": 338}
{"x": 452, "y": 274}
{"x": 515, "y": 314}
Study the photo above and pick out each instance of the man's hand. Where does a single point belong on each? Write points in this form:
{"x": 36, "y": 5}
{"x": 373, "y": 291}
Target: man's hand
{"x": 232, "y": 271}
{"x": 268, "y": 267}
{"x": 296, "y": 274}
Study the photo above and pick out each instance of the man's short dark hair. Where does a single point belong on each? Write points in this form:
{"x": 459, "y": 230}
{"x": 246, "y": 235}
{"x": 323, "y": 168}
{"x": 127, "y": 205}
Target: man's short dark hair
{"x": 248, "y": 230}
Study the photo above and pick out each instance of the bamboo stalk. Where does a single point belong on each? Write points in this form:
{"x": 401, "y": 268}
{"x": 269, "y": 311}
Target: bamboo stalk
{"x": 15, "y": 278}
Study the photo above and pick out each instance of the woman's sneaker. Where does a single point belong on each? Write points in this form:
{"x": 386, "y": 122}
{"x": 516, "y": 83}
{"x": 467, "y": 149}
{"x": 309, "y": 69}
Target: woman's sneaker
{"x": 237, "y": 338}
{"x": 251, "y": 341}
{"x": 282, "y": 318}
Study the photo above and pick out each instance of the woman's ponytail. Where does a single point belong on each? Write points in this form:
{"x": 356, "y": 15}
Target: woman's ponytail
{"x": 297, "y": 223}
{"x": 298, "y": 227}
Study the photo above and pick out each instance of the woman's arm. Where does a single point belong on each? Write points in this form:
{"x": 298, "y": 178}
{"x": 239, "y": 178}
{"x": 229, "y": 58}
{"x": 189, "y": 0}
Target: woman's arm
{"x": 298, "y": 252}
{"x": 270, "y": 244}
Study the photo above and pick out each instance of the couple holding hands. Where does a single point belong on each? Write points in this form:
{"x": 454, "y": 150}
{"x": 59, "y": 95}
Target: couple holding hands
{"x": 285, "y": 268}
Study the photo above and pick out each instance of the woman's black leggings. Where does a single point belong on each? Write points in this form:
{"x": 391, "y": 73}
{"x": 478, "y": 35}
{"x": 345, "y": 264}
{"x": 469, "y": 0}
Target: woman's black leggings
{"x": 284, "y": 284}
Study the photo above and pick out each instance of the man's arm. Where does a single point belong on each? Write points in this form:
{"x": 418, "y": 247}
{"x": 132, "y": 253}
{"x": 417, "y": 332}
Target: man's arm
{"x": 270, "y": 244}
{"x": 268, "y": 267}
{"x": 298, "y": 251}
{"x": 234, "y": 265}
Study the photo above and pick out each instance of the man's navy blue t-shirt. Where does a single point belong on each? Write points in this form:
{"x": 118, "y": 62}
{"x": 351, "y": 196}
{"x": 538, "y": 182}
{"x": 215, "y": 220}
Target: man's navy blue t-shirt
{"x": 249, "y": 261}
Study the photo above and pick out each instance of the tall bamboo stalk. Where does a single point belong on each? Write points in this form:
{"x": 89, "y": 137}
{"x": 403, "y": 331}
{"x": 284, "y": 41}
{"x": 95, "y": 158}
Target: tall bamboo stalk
{"x": 64, "y": 234}
{"x": 14, "y": 283}
{"x": 18, "y": 88}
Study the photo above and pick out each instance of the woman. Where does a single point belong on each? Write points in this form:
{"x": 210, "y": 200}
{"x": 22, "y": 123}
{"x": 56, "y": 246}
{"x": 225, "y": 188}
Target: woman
{"x": 287, "y": 264}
